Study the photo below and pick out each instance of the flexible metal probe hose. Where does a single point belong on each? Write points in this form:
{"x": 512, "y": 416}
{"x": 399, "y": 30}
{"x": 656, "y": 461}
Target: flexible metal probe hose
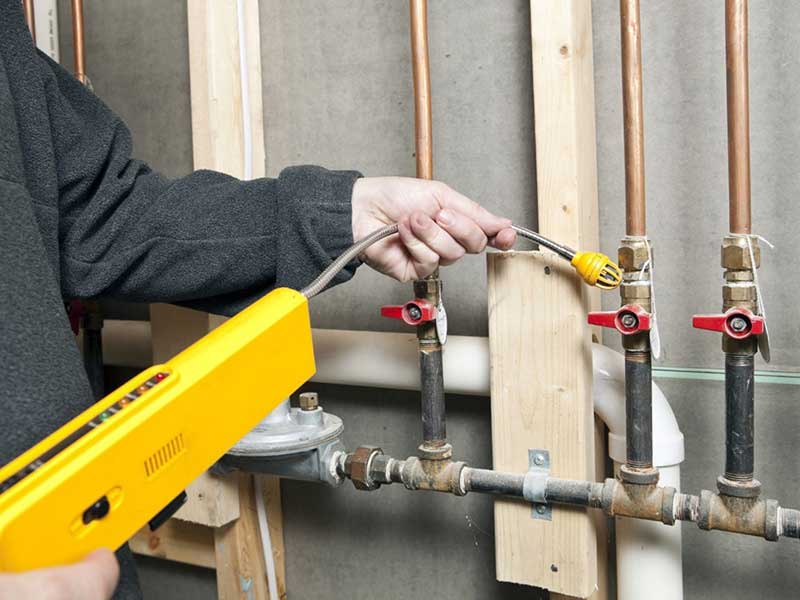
{"x": 596, "y": 269}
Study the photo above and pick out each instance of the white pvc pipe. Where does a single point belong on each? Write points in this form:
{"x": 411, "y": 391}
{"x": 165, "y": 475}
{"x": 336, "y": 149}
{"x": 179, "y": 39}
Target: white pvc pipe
{"x": 646, "y": 551}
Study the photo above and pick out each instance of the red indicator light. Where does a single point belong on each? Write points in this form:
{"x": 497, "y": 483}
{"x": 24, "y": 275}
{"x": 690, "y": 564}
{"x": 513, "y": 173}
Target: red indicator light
{"x": 160, "y": 376}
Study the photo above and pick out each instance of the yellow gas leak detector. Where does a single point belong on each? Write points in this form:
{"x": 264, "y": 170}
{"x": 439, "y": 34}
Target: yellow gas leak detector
{"x": 95, "y": 481}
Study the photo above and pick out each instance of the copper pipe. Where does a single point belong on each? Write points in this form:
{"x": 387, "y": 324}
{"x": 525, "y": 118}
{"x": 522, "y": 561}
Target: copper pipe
{"x": 77, "y": 40}
{"x": 738, "y": 115}
{"x": 422, "y": 88}
{"x": 30, "y": 19}
{"x": 635, "y": 221}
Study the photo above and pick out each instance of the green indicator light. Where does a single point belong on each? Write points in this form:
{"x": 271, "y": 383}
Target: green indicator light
{"x": 104, "y": 416}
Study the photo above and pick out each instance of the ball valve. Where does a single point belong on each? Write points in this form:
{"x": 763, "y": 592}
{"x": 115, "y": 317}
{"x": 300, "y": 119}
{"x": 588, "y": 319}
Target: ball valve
{"x": 628, "y": 320}
{"x": 412, "y": 313}
{"x": 738, "y": 323}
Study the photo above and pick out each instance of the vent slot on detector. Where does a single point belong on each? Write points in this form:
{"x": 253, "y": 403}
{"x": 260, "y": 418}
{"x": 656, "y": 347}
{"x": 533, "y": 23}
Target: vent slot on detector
{"x": 164, "y": 455}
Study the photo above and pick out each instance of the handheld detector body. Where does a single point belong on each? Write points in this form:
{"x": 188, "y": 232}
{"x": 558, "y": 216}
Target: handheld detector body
{"x": 98, "y": 479}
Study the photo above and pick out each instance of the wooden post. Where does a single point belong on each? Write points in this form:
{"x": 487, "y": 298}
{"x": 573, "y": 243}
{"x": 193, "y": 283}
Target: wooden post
{"x": 218, "y": 144}
{"x": 540, "y": 344}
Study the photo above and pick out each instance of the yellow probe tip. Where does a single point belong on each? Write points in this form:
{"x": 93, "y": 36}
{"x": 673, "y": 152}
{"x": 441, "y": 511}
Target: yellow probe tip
{"x": 597, "y": 269}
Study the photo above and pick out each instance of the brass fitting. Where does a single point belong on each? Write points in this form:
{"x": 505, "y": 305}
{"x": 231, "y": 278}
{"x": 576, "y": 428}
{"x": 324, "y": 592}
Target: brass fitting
{"x": 309, "y": 401}
{"x": 632, "y": 254}
{"x": 738, "y": 289}
{"x": 735, "y": 254}
{"x": 428, "y": 289}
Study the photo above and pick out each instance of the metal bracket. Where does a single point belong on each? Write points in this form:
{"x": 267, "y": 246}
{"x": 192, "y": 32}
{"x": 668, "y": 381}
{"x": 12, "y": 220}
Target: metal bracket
{"x": 535, "y": 485}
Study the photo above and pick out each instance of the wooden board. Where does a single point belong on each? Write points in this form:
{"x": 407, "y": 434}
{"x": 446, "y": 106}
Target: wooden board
{"x": 541, "y": 398}
{"x": 539, "y": 342}
{"x": 179, "y": 541}
{"x": 218, "y": 143}
{"x": 241, "y": 572}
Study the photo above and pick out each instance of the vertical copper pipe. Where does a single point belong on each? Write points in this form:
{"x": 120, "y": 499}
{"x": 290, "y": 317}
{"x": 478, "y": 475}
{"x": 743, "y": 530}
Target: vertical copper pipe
{"x": 27, "y": 7}
{"x": 738, "y": 115}
{"x": 422, "y": 88}
{"x": 635, "y": 222}
{"x": 77, "y": 40}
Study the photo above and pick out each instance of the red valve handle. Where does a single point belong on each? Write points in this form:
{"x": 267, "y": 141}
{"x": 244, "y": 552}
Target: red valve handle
{"x": 412, "y": 313}
{"x": 738, "y": 323}
{"x": 628, "y": 320}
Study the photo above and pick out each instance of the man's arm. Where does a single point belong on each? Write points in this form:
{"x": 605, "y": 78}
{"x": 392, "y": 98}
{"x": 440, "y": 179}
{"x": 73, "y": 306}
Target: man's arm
{"x": 213, "y": 242}
{"x": 130, "y": 233}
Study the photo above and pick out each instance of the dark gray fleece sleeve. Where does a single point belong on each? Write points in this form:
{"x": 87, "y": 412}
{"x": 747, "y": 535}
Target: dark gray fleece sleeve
{"x": 206, "y": 240}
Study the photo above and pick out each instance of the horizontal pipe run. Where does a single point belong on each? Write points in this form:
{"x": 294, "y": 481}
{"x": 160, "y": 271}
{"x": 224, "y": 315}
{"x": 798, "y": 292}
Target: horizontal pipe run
{"x": 369, "y": 468}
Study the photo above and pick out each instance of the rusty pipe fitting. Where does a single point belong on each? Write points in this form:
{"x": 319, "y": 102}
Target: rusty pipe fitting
{"x": 650, "y": 502}
{"x": 750, "y": 516}
{"x": 358, "y": 466}
{"x": 434, "y": 475}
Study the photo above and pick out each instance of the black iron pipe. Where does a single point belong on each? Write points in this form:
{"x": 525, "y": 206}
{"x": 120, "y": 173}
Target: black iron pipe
{"x": 739, "y": 417}
{"x": 639, "y": 409}
{"x": 434, "y": 426}
{"x": 487, "y": 481}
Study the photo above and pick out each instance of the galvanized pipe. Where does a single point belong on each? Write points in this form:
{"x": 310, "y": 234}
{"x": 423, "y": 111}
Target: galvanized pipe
{"x": 633, "y": 117}
{"x": 738, "y": 92}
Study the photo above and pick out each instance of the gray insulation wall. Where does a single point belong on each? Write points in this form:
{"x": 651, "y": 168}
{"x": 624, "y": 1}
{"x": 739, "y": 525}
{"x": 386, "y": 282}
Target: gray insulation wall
{"x": 337, "y": 92}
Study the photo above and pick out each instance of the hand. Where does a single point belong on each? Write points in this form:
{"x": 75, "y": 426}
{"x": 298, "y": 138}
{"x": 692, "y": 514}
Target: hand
{"x": 437, "y": 225}
{"x": 94, "y": 578}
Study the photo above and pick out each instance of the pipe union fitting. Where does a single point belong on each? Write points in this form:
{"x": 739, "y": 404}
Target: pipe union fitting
{"x": 358, "y": 464}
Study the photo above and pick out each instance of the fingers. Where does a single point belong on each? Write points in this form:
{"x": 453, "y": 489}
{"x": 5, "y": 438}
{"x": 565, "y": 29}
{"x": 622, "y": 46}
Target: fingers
{"x": 94, "y": 578}
{"x": 463, "y": 230}
{"x": 504, "y": 240}
{"x": 423, "y": 259}
{"x": 490, "y": 224}
{"x": 436, "y": 239}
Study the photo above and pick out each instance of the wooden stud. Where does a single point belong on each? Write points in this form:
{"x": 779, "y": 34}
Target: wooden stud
{"x": 541, "y": 379}
{"x": 218, "y": 144}
{"x": 541, "y": 398}
{"x": 241, "y": 572}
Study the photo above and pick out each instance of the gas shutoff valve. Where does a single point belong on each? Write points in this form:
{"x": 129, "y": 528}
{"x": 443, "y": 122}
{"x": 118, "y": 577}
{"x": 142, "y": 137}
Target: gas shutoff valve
{"x": 412, "y": 313}
{"x": 738, "y": 323}
{"x": 628, "y": 320}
